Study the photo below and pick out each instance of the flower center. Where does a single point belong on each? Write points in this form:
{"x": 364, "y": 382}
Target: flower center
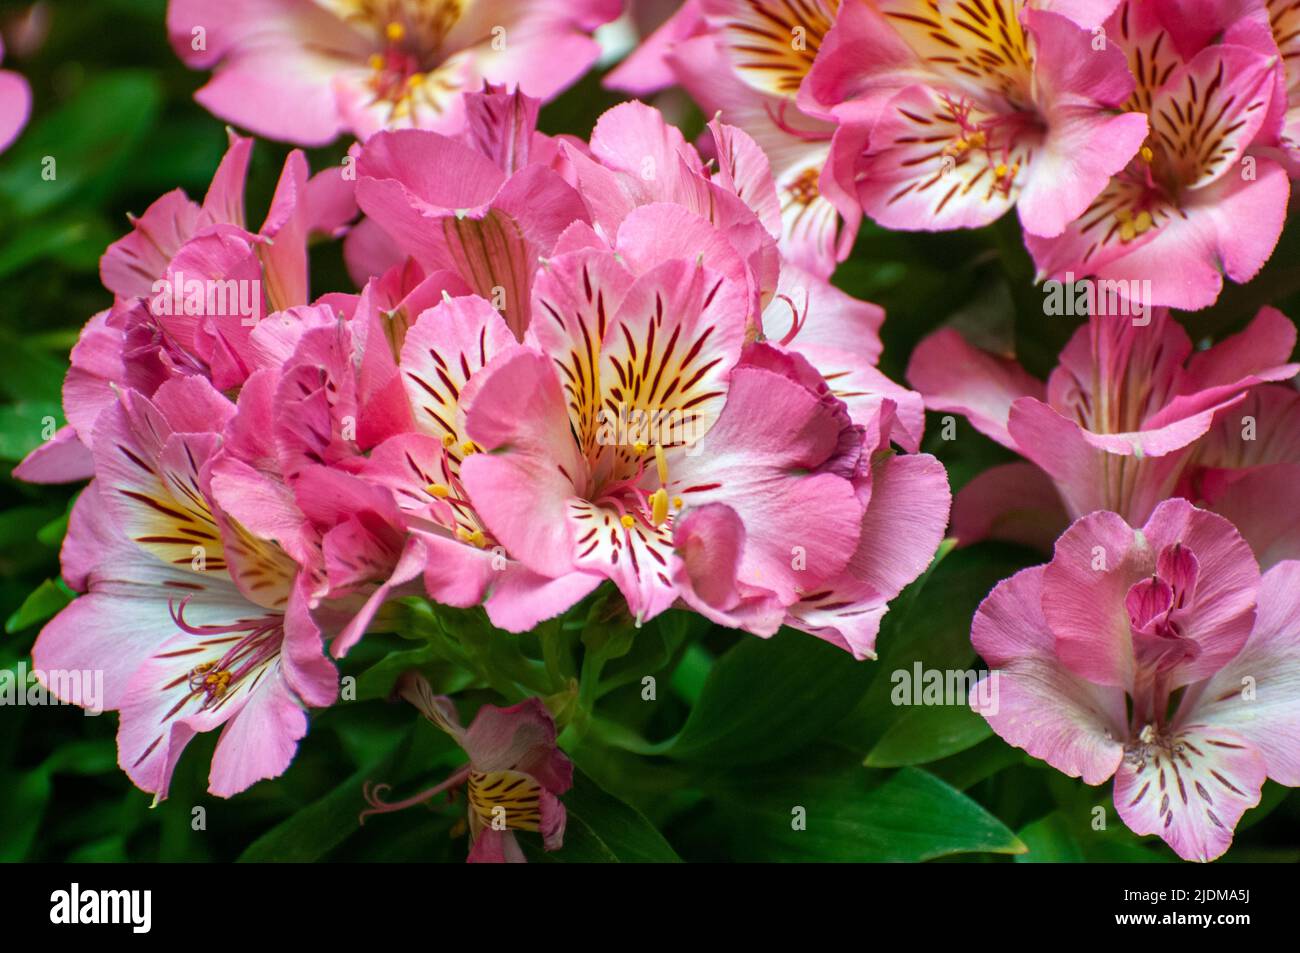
{"x": 249, "y": 645}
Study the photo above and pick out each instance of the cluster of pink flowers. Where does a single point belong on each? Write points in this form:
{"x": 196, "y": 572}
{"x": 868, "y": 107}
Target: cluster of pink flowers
{"x": 1133, "y": 137}
{"x": 622, "y": 360}
{"x": 569, "y": 363}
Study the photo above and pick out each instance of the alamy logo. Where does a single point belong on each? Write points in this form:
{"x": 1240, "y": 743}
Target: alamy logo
{"x": 81, "y": 687}
{"x": 208, "y": 297}
{"x": 1082, "y": 297}
{"x": 934, "y": 686}
{"x": 77, "y": 906}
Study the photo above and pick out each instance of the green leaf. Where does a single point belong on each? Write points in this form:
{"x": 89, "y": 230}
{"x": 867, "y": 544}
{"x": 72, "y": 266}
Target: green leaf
{"x": 90, "y": 140}
{"x": 929, "y": 624}
{"x": 75, "y": 240}
{"x": 601, "y": 828}
{"x": 23, "y": 426}
{"x": 314, "y": 830}
{"x": 93, "y": 757}
{"x": 378, "y": 681}
{"x": 826, "y": 809}
{"x": 43, "y": 603}
{"x": 23, "y": 804}
{"x": 768, "y": 697}
{"x": 1050, "y": 841}
{"x": 927, "y": 733}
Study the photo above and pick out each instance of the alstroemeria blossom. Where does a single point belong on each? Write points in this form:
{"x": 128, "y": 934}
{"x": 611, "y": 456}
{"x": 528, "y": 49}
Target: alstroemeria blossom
{"x": 485, "y": 206}
{"x": 306, "y": 70}
{"x": 950, "y": 113}
{"x": 765, "y": 50}
{"x": 196, "y": 622}
{"x": 641, "y": 171}
{"x": 1117, "y": 425}
{"x": 513, "y": 780}
{"x": 190, "y": 283}
{"x": 1197, "y": 202}
{"x": 1157, "y": 656}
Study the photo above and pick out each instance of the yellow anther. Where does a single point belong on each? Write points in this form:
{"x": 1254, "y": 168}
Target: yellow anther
{"x": 473, "y": 537}
{"x": 640, "y": 447}
{"x": 628, "y": 520}
{"x": 976, "y": 140}
{"x": 448, "y": 440}
{"x": 659, "y": 506}
{"x": 956, "y": 148}
{"x": 377, "y": 62}
{"x": 1127, "y": 232}
{"x": 1146, "y": 154}
{"x": 415, "y": 80}
{"x": 1123, "y": 215}
{"x": 677, "y": 502}
{"x": 395, "y": 32}
{"x": 661, "y": 463}
{"x": 468, "y": 448}
{"x": 440, "y": 490}
{"x": 1000, "y": 171}
{"x": 1143, "y": 221}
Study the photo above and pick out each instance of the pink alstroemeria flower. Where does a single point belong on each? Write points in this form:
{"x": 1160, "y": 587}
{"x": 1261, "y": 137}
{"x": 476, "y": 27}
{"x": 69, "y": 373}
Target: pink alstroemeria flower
{"x": 442, "y": 354}
{"x": 190, "y": 284}
{"x": 642, "y": 172}
{"x": 1199, "y": 201}
{"x": 485, "y": 207}
{"x": 513, "y": 780}
{"x": 635, "y": 437}
{"x": 1115, "y": 428}
{"x": 306, "y": 70}
{"x": 15, "y": 103}
{"x": 196, "y": 622}
{"x": 950, "y": 113}
{"x": 1159, "y": 657}
{"x": 765, "y": 49}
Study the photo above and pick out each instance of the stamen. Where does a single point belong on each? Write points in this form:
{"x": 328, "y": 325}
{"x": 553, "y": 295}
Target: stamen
{"x": 440, "y": 490}
{"x": 473, "y": 537}
{"x": 659, "y": 506}
{"x": 374, "y": 795}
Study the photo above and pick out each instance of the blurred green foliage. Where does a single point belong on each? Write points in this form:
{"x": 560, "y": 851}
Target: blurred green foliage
{"x": 745, "y": 734}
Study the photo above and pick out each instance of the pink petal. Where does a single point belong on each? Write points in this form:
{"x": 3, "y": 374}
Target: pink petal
{"x": 1257, "y": 694}
{"x": 1193, "y": 800}
{"x": 1033, "y": 701}
{"x": 954, "y": 376}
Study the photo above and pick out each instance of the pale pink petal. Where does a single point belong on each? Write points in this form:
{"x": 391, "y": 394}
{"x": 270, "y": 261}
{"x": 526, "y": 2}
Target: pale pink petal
{"x": 1193, "y": 799}
{"x": 1016, "y": 502}
{"x": 523, "y": 491}
{"x": 1031, "y": 699}
{"x": 61, "y": 459}
{"x": 955, "y": 376}
{"x": 1257, "y": 694}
